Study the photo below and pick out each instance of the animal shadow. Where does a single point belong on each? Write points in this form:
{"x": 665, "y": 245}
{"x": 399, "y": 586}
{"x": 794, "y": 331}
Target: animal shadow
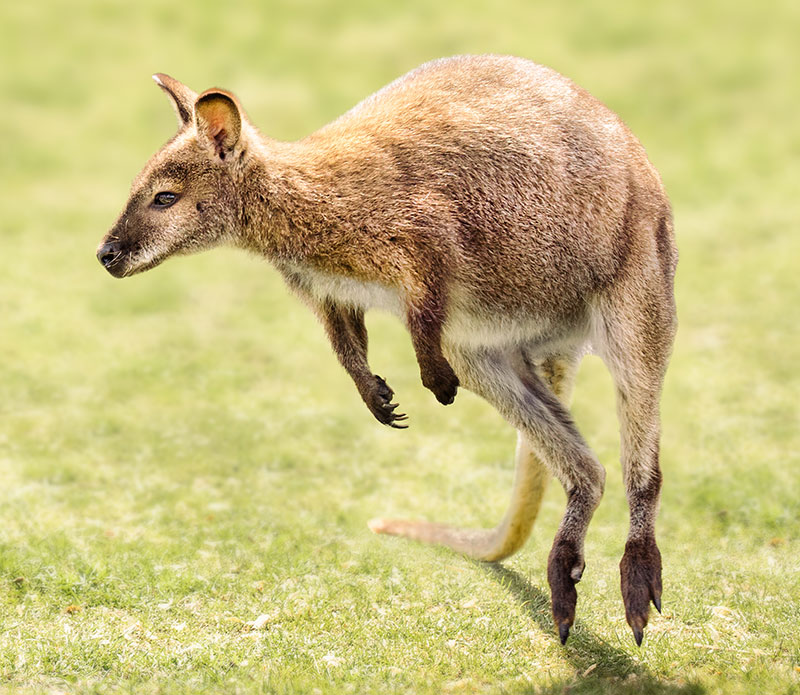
{"x": 610, "y": 669}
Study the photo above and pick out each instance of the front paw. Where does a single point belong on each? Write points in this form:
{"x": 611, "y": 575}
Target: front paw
{"x": 379, "y": 401}
{"x": 442, "y": 380}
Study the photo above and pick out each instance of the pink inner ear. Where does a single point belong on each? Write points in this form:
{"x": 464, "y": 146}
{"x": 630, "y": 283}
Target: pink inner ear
{"x": 217, "y": 132}
{"x": 216, "y": 116}
{"x": 219, "y": 121}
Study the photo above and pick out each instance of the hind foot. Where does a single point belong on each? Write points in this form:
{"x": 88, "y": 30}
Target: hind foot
{"x": 640, "y": 579}
{"x": 565, "y": 567}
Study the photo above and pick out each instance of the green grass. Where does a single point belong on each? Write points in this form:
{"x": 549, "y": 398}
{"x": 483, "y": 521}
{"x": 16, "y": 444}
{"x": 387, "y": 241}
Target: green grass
{"x": 180, "y": 453}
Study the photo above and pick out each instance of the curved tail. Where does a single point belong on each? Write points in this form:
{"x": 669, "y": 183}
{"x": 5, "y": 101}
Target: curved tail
{"x": 489, "y": 545}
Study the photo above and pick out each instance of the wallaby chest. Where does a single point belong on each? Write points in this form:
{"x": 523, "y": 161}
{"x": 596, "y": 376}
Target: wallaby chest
{"x": 342, "y": 289}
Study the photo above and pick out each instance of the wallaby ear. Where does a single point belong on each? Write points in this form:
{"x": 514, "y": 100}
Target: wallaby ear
{"x": 218, "y": 120}
{"x": 181, "y": 96}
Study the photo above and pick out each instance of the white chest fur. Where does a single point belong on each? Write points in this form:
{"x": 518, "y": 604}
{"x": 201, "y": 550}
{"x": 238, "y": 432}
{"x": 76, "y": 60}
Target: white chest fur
{"x": 350, "y": 291}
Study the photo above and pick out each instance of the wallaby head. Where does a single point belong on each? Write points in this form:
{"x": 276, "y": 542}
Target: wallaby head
{"x": 185, "y": 199}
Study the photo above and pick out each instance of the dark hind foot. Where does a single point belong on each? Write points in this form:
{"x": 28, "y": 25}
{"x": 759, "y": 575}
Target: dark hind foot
{"x": 564, "y": 570}
{"x": 640, "y": 579}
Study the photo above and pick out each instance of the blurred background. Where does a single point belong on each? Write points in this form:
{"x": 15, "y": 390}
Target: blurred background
{"x": 171, "y": 443}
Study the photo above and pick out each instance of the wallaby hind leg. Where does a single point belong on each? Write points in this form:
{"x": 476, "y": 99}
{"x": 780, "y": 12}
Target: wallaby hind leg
{"x": 530, "y": 482}
{"x": 636, "y": 345}
{"x": 524, "y": 399}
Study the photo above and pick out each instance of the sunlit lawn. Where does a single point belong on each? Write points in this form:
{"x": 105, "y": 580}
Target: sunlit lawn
{"x": 187, "y": 473}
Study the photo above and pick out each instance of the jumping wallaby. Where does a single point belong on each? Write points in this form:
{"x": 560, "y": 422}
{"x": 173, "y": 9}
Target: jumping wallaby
{"x": 507, "y": 217}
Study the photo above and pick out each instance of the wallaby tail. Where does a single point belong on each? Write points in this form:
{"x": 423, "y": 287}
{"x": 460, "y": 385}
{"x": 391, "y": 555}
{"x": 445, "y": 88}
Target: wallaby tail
{"x": 488, "y": 545}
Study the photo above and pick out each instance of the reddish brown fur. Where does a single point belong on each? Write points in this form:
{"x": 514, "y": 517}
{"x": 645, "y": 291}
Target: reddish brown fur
{"x": 504, "y": 214}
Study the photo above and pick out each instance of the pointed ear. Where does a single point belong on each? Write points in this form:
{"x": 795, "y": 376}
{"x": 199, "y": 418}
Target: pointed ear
{"x": 219, "y": 120}
{"x": 181, "y": 96}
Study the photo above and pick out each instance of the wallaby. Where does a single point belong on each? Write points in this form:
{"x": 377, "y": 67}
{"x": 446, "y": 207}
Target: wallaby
{"x": 511, "y": 221}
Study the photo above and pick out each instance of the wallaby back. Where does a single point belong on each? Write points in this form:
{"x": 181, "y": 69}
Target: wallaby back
{"x": 498, "y": 173}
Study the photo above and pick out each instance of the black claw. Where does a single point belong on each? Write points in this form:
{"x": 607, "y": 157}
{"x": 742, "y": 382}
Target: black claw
{"x": 563, "y": 632}
{"x": 638, "y": 635}
{"x": 384, "y": 409}
{"x": 657, "y": 604}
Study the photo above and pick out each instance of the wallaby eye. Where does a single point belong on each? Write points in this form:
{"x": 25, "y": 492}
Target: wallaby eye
{"x": 164, "y": 199}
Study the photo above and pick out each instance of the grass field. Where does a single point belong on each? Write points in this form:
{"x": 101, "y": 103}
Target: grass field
{"x": 180, "y": 452}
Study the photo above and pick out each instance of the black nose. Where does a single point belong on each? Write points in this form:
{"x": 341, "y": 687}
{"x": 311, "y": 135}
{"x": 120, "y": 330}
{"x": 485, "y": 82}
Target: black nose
{"x": 108, "y": 253}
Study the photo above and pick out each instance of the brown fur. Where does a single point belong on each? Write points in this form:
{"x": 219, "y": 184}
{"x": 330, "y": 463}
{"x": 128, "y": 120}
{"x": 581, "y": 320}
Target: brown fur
{"x": 506, "y": 216}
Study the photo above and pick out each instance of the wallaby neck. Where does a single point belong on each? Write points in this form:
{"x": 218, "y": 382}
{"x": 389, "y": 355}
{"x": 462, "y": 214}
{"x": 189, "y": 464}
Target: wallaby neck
{"x": 288, "y": 202}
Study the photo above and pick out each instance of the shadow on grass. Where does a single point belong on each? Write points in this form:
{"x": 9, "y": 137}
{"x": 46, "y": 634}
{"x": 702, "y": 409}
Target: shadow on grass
{"x": 612, "y": 670}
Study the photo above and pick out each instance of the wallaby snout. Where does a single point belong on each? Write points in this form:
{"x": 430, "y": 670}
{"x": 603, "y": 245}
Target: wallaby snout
{"x": 109, "y": 254}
